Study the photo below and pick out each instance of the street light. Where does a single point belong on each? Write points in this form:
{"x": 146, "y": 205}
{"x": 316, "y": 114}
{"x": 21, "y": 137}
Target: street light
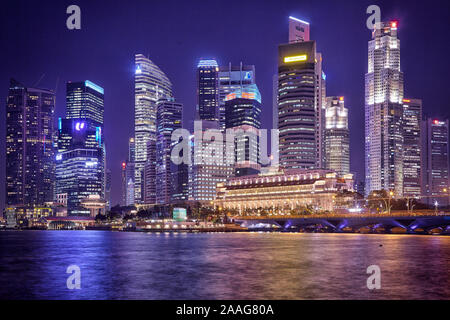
{"x": 391, "y": 193}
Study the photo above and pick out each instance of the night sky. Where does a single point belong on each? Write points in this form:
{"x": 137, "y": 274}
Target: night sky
{"x": 38, "y": 49}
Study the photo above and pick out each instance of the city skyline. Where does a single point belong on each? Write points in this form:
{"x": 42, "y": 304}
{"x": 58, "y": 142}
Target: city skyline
{"x": 115, "y": 157}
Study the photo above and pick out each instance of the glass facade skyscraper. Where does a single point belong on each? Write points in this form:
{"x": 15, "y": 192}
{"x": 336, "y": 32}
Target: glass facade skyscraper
{"x": 151, "y": 84}
{"x": 81, "y": 156}
{"x": 232, "y": 78}
{"x": 435, "y": 162}
{"x": 412, "y": 147}
{"x": 297, "y": 112}
{"x": 169, "y": 118}
{"x": 337, "y": 136}
{"x": 29, "y": 145}
{"x": 384, "y": 111}
{"x": 208, "y": 90}
{"x": 242, "y": 115}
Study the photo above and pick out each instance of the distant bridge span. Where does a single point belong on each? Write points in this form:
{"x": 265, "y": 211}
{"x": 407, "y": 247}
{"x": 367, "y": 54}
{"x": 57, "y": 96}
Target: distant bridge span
{"x": 425, "y": 220}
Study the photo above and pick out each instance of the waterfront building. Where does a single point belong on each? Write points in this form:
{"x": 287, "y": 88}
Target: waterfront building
{"x": 284, "y": 192}
{"x": 337, "y": 136}
{"x": 208, "y": 90}
{"x": 435, "y": 162}
{"x": 151, "y": 84}
{"x": 412, "y": 147}
{"x": 168, "y": 119}
{"x": 242, "y": 117}
{"x": 231, "y": 79}
{"x": 29, "y": 145}
{"x": 384, "y": 111}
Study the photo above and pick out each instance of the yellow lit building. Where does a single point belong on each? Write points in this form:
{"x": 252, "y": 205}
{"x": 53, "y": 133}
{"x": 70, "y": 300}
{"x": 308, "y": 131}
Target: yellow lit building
{"x": 284, "y": 192}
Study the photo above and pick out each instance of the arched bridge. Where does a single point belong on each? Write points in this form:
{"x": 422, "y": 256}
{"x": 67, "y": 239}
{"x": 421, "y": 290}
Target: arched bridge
{"x": 423, "y": 221}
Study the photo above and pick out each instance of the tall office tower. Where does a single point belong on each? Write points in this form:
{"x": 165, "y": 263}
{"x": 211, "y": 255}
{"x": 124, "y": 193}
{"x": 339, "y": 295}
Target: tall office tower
{"x": 320, "y": 104}
{"x": 208, "y": 90}
{"x": 435, "y": 157}
{"x": 149, "y": 179}
{"x": 383, "y": 111}
{"x": 209, "y": 166}
{"x": 85, "y": 100}
{"x": 29, "y": 145}
{"x": 81, "y": 158}
{"x": 128, "y": 175}
{"x": 298, "y": 30}
{"x": 275, "y": 101}
{"x": 232, "y": 78}
{"x": 151, "y": 84}
{"x": 168, "y": 119}
{"x": 297, "y": 105}
{"x": 337, "y": 136}
{"x": 127, "y": 183}
{"x": 242, "y": 115}
{"x": 412, "y": 147}
{"x": 108, "y": 188}
{"x": 300, "y": 100}
{"x": 80, "y": 170}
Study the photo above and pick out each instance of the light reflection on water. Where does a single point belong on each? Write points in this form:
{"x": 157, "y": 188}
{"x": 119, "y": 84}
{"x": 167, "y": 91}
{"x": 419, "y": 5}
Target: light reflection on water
{"x": 126, "y": 265}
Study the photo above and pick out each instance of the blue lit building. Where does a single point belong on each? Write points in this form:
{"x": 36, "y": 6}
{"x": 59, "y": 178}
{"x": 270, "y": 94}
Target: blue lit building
{"x": 81, "y": 155}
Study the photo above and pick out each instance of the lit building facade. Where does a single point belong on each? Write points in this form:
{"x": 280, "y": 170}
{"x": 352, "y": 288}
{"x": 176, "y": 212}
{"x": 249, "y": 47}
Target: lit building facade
{"x": 297, "y": 116}
{"x": 281, "y": 192}
{"x": 412, "y": 147}
{"x": 168, "y": 119}
{"x": 29, "y": 145}
{"x": 208, "y": 90}
{"x": 233, "y": 78}
{"x": 151, "y": 84}
{"x": 81, "y": 154}
{"x": 337, "y": 136}
{"x": 209, "y": 162}
{"x": 242, "y": 117}
{"x": 384, "y": 111}
{"x": 435, "y": 162}
{"x": 128, "y": 175}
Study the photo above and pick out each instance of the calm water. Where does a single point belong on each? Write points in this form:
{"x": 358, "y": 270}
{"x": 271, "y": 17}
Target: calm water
{"x": 126, "y": 265}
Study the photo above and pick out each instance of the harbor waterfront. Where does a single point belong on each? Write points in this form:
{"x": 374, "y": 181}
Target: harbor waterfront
{"x": 249, "y": 265}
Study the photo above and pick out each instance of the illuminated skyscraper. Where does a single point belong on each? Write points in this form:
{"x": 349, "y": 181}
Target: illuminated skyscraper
{"x": 300, "y": 101}
{"x": 232, "y": 78}
{"x": 242, "y": 115}
{"x": 85, "y": 100}
{"x": 29, "y": 145}
{"x": 208, "y": 90}
{"x": 412, "y": 147}
{"x": 337, "y": 137}
{"x": 383, "y": 111}
{"x": 128, "y": 175}
{"x": 151, "y": 84}
{"x": 435, "y": 158}
{"x": 81, "y": 157}
{"x": 169, "y": 118}
{"x": 297, "y": 117}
